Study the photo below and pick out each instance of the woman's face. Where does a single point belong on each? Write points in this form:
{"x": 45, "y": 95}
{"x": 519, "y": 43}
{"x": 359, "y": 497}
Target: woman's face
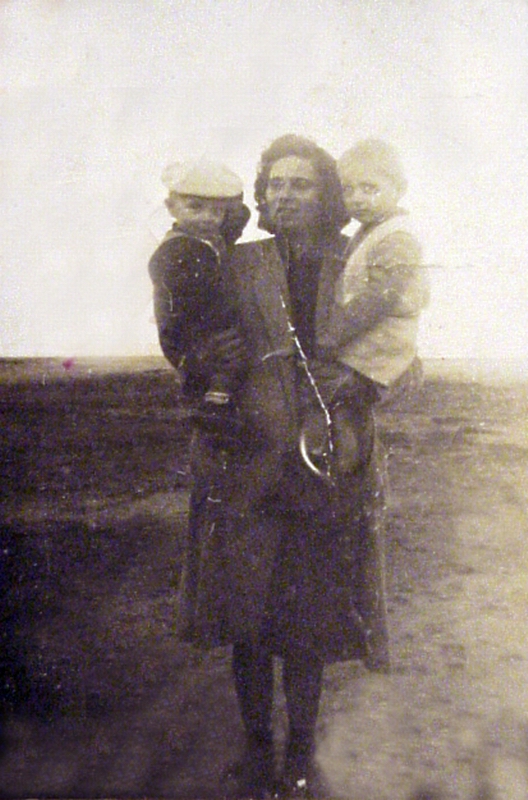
{"x": 292, "y": 196}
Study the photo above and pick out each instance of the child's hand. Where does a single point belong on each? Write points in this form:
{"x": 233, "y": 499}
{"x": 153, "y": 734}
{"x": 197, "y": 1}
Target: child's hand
{"x": 231, "y": 351}
{"x": 223, "y": 352}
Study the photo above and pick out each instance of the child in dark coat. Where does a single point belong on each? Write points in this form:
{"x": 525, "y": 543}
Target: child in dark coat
{"x": 191, "y": 298}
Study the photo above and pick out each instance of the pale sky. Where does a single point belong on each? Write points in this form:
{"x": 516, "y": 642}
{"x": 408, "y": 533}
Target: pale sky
{"x": 99, "y": 96}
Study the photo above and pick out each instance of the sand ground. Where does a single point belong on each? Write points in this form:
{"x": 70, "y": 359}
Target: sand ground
{"x": 102, "y": 701}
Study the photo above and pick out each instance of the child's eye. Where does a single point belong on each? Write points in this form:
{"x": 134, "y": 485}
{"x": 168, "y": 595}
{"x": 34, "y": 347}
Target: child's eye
{"x": 369, "y": 188}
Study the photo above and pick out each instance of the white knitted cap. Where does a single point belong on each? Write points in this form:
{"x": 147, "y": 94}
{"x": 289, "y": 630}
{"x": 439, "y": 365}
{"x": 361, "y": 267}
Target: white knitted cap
{"x": 202, "y": 179}
{"x": 374, "y": 156}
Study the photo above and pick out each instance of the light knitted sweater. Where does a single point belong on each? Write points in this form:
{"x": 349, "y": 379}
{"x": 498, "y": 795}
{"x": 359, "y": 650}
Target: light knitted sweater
{"x": 378, "y": 298}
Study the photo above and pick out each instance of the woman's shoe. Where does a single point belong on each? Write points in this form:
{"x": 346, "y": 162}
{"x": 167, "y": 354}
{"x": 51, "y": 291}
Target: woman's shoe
{"x": 262, "y": 765}
{"x": 301, "y": 779}
{"x": 309, "y": 786}
{"x": 254, "y": 775}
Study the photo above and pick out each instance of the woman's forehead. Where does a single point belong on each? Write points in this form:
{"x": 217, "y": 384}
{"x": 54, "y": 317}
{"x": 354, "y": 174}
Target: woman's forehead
{"x": 293, "y": 167}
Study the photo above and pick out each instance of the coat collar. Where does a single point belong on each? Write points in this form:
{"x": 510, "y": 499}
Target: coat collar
{"x": 261, "y": 274}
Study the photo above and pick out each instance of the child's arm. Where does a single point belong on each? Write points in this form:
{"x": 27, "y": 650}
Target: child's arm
{"x": 166, "y": 268}
{"x": 394, "y": 268}
{"x": 179, "y": 305}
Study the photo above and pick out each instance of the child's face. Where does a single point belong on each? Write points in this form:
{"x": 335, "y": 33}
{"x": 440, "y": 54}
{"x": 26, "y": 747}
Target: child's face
{"x": 197, "y": 216}
{"x": 369, "y": 196}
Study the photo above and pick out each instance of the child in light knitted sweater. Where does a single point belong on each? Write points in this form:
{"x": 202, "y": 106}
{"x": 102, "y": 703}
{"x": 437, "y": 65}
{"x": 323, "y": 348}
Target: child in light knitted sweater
{"x": 368, "y": 345}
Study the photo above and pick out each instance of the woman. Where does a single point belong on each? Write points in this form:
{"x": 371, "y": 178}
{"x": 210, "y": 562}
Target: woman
{"x": 283, "y": 553}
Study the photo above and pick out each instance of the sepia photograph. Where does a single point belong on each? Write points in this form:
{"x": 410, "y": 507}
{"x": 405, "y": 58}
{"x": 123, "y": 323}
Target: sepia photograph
{"x": 264, "y": 400}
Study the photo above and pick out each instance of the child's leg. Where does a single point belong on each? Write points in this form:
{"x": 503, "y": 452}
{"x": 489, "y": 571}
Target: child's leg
{"x": 346, "y": 438}
{"x": 344, "y": 442}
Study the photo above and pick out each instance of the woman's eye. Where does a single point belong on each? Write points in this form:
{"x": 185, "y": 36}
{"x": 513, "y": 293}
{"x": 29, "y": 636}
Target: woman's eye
{"x": 301, "y": 184}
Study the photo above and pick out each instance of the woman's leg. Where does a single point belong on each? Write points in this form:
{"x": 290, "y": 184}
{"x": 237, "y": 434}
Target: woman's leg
{"x": 253, "y": 675}
{"x": 303, "y": 680}
{"x": 252, "y": 666}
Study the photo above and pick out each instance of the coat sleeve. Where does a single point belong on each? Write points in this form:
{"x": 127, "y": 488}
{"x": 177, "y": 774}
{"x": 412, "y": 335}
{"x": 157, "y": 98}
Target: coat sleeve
{"x": 169, "y": 311}
{"x": 393, "y": 271}
{"x": 190, "y": 307}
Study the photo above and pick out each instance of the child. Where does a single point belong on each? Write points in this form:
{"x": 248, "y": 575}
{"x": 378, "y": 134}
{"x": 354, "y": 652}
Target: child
{"x": 382, "y": 289}
{"x": 191, "y": 299}
{"x": 372, "y": 327}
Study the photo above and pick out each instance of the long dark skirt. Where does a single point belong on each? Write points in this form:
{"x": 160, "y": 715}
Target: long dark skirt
{"x": 303, "y": 569}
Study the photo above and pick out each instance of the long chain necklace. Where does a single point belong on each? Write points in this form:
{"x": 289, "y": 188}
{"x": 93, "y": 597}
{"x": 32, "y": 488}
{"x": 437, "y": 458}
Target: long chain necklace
{"x": 303, "y": 360}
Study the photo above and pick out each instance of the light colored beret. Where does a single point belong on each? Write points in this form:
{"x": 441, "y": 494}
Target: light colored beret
{"x": 374, "y": 156}
{"x": 202, "y": 179}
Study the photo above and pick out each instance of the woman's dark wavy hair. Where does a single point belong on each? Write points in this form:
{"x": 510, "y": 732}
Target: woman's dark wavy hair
{"x": 334, "y": 214}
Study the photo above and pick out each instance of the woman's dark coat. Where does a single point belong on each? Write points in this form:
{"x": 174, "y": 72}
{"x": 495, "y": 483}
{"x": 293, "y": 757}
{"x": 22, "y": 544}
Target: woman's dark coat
{"x": 273, "y": 549}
